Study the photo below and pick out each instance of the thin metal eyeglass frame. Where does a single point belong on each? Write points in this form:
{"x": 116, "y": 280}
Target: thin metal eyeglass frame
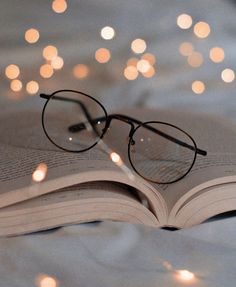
{"x": 108, "y": 118}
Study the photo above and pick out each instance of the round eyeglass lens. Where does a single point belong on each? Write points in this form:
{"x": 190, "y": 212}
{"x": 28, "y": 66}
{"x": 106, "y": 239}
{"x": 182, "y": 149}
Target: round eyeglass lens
{"x": 73, "y": 121}
{"x": 161, "y": 153}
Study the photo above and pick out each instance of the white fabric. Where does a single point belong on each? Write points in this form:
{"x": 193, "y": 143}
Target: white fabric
{"x": 119, "y": 254}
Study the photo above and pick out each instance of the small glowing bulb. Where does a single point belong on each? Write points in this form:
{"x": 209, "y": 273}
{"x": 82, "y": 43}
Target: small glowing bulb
{"x": 198, "y": 87}
{"x": 59, "y": 6}
{"x": 138, "y": 46}
{"x": 32, "y": 35}
{"x": 46, "y": 71}
{"x": 185, "y": 275}
{"x": 32, "y": 87}
{"x": 184, "y": 21}
{"x": 57, "y": 63}
{"x": 202, "y": 29}
{"x": 12, "y": 71}
{"x": 43, "y": 280}
{"x": 107, "y": 33}
{"x": 195, "y": 60}
{"x": 131, "y": 73}
{"x": 143, "y": 66}
{"x": 217, "y": 54}
{"x": 16, "y": 85}
{"x": 150, "y": 58}
{"x": 50, "y": 52}
{"x": 70, "y": 139}
{"x": 132, "y": 62}
{"x": 40, "y": 173}
{"x": 228, "y": 75}
{"x": 80, "y": 71}
{"x": 186, "y": 49}
{"x": 48, "y": 282}
{"x": 102, "y": 55}
{"x": 116, "y": 158}
{"x": 150, "y": 73}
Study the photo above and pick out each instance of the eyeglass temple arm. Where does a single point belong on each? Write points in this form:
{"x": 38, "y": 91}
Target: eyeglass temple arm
{"x": 84, "y": 109}
{"x": 81, "y": 126}
{"x": 164, "y": 135}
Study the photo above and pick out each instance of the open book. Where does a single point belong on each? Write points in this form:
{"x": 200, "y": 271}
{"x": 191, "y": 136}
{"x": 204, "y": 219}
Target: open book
{"x": 88, "y": 186}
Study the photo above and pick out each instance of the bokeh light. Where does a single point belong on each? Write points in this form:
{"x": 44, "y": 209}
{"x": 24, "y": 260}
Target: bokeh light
{"x": 16, "y": 85}
{"x": 150, "y": 58}
{"x": 12, "y": 71}
{"x": 131, "y": 73}
{"x": 32, "y": 87}
{"x": 228, "y": 75}
{"x": 43, "y": 280}
{"x": 50, "y": 52}
{"x": 102, "y": 55}
{"x": 48, "y": 282}
{"x": 143, "y": 66}
{"x": 198, "y": 87}
{"x": 116, "y": 158}
{"x": 195, "y": 60}
{"x": 202, "y": 29}
{"x": 138, "y": 46}
{"x": 107, "y": 33}
{"x": 186, "y": 49}
{"x": 46, "y": 71}
{"x": 59, "y": 6}
{"x": 150, "y": 73}
{"x": 185, "y": 276}
{"x": 40, "y": 172}
{"x": 132, "y": 62}
{"x": 57, "y": 63}
{"x": 80, "y": 71}
{"x": 31, "y": 35}
{"x": 217, "y": 54}
{"x": 184, "y": 21}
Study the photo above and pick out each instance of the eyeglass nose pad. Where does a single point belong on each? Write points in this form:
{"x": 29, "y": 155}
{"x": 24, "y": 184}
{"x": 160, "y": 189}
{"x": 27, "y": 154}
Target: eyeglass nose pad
{"x": 132, "y": 143}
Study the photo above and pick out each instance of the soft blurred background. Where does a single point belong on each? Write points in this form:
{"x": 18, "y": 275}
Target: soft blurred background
{"x": 124, "y": 53}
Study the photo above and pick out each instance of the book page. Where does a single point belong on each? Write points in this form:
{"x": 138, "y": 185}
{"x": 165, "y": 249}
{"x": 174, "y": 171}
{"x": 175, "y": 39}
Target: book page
{"x": 79, "y": 203}
{"x": 88, "y": 190}
{"x": 215, "y": 135}
{"x": 208, "y": 202}
{"x": 24, "y": 146}
{"x": 214, "y": 170}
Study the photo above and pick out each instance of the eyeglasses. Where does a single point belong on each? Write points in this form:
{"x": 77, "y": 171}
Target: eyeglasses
{"x": 159, "y": 152}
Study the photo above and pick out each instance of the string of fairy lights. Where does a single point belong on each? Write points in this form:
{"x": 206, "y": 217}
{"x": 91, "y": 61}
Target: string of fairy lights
{"x": 142, "y": 63}
{"x": 183, "y": 276}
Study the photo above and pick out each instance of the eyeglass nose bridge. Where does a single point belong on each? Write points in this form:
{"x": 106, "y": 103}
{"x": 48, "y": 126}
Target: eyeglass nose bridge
{"x": 123, "y": 119}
